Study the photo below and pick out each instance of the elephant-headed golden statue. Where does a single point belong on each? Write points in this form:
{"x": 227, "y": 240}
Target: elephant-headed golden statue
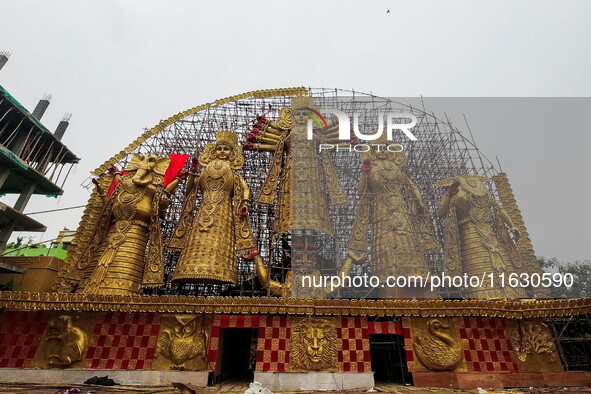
{"x": 118, "y": 246}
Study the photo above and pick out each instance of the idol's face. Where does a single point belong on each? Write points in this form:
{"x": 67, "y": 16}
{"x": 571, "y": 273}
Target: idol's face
{"x": 381, "y": 154}
{"x": 222, "y": 151}
{"x": 299, "y": 117}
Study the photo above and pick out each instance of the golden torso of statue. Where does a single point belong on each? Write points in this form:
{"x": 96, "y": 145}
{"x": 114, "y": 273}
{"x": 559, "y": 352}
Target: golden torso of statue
{"x": 396, "y": 244}
{"x": 308, "y": 184}
{"x": 386, "y": 181}
{"x": 217, "y": 187}
{"x": 134, "y": 200}
{"x": 473, "y": 202}
{"x": 132, "y": 210}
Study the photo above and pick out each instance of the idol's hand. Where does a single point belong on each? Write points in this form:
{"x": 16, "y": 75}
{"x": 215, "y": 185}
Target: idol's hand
{"x": 194, "y": 165}
{"x": 243, "y": 209}
{"x": 182, "y": 175}
{"x": 366, "y": 165}
{"x": 516, "y": 233}
{"x": 454, "y": 188}
{"x": 423, "y": 210}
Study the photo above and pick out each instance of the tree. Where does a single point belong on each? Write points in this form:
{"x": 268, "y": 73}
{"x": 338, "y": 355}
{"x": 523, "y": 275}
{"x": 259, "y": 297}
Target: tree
{"x": 15, "y": 245}
{"x": 581, "y": 274}
{"x": 19, "y": 244}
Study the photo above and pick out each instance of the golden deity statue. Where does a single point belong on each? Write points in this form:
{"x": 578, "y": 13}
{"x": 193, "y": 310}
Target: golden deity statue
{"x": 313, "y": 174}
{"x": 392, "y": 206}
{"x": 476, "y": 239}
{"x": 210, "y": 239}
{"x": 302, "y": 187}
{"x": 311, "y": 180}
{"x": 118, "y": 247}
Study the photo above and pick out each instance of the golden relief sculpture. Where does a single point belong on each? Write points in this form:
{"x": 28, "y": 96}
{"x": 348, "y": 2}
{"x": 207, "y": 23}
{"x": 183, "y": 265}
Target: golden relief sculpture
{"x": 476, "y": 241}
{"x": 63, "y": 344}
{"x": 118, "y": 247}
{"x": 182, "y": 343}
{"x": 532, "y": 337}
{"x": 210, "y": 238}
{"x": 436, "y": 348}
{"x": 392, "y": 206}
{"x": 313, "y": 344}
{"x": 524, "y": 245}
{"x": 312, "y": 179}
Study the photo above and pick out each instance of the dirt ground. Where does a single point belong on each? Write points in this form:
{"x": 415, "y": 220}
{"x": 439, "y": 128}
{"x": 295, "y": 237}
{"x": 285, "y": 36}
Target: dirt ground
{"x": 239, "y": 387}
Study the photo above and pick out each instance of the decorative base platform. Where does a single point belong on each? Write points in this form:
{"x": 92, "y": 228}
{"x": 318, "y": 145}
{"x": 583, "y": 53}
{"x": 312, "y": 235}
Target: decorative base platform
{"x": 301, "y": 381}
{"x": 133, "y": 341}
{"x": 500, "y": 380}
{"x": 78, "y": 376}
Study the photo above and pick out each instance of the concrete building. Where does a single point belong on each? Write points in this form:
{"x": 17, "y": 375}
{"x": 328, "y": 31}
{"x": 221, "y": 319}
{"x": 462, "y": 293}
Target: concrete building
{"x": 33, "y": 160}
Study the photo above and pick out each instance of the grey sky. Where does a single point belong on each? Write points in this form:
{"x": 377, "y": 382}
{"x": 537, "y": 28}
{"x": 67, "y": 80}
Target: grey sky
{"x": 122, "y": 66}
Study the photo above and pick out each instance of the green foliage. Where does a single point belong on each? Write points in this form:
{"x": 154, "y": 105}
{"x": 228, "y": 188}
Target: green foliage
{"x": 581, "y": 272}
{"x": 17, "y": 247}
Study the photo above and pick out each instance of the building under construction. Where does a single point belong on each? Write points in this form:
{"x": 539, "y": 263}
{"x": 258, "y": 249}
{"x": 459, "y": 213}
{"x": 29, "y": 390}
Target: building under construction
{"x": 33, "y": 161}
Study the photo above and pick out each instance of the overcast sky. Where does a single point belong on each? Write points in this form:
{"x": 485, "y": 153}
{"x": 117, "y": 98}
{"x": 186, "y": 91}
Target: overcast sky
{"x": 120, "y": 66}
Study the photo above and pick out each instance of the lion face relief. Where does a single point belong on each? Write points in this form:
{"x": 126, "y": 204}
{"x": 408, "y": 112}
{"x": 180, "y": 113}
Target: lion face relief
{"x": 313, "y": 345}
{"x": 315, "y": 341}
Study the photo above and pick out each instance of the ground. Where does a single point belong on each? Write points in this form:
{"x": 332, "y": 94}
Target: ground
{"x": 239, "y": 387}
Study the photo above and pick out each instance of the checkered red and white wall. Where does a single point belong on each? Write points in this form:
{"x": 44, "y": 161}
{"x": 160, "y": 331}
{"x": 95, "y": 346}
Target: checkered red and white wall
{"x": 20, "y": 334}
{"x": 486, "y": 345}
{"x": 123, "y": 341}
{"x": 128, "y": 341}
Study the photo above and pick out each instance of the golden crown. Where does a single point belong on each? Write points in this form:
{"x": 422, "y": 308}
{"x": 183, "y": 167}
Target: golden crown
{"x": 226, "y": 137}
{"x": 302, "y": 101}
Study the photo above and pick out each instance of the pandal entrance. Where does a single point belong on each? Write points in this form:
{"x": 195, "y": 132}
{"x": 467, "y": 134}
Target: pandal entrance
{"x": 236, "y": 355}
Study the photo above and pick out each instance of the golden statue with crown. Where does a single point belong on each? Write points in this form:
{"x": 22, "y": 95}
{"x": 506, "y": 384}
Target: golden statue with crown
{"x": 299, "y": 179}
{"x": 210, "y": 239}
{"x": 391, "y": 205}
{"x": 477, "y": 242}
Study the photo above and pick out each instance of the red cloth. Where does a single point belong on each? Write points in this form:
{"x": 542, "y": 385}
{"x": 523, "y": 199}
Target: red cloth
{"x": 177, "y": 162}
{"x": 114, "y": 184}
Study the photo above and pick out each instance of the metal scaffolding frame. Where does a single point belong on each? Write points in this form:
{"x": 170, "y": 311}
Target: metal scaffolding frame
{"x": 572, "y": 335}
{"x": 441, "y": 150}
